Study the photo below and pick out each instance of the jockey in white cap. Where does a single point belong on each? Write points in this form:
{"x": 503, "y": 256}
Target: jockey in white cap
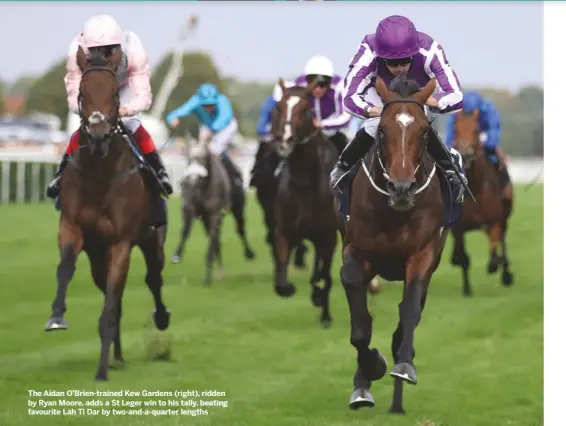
{"x": 102, "y": 33}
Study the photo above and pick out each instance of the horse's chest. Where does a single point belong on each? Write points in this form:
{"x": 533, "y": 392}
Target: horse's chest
{"x": 487, "y": 208}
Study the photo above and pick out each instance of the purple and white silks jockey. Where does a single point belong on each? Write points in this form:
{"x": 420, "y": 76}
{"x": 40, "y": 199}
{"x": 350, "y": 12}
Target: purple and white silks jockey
{"x": 430, "y": 62}
{"x": 329, "y": 109}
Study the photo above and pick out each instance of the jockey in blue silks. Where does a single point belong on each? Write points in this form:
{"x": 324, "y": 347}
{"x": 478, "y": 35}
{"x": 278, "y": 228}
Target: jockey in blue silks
{"x": 489, "y": 126}
{"x": 218, "y": 125}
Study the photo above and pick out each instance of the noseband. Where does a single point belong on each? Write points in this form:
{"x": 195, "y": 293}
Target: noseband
{"x": 380, "y": 143}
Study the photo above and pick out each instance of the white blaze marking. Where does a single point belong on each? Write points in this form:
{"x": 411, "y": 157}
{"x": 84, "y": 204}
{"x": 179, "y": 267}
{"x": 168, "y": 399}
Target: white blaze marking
{"x": 291, "y": 102}
{"x": 96, "y": 118}
{"x": 404, "y": 121}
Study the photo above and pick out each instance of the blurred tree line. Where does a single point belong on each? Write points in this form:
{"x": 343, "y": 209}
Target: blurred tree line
{"x": 521, "y": 113}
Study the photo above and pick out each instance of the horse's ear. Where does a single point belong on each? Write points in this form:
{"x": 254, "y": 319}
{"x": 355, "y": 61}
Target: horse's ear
{"x": 382, "y": 90}
{"x": 115, "y": 59}
{"x": 426, "y": 91}
{"x": 282, "y": 85}
{"x": 81, "y": 59}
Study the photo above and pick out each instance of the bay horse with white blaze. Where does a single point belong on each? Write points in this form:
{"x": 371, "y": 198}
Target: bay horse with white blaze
{"x": 106, "y": 208}
{"x": 491, "y": 185}
{"x": 303, "y": 204}
{"x": 394, "y": 228}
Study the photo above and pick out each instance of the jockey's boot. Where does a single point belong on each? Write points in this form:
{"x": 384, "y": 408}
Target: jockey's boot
{"x": 233, "y": 173}
{"x": 352, "y": 153}
{"x": 54, "y": 187}
{"x": 258, "y": 158}
{"x": 491, "y": 155}
{"x": 155, "y": 162}
{"x": 450, "y": 161}
{"x": 456, "y": 186}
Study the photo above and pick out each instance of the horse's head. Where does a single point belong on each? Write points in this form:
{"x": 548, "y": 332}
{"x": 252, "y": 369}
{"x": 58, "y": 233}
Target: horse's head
{"x": 402, "y": 137}
{"x": 466, "y": 136}
{"x": 99, "y": 99}
{"x": 198, "y": 156}
{"x": 292, "y": 121}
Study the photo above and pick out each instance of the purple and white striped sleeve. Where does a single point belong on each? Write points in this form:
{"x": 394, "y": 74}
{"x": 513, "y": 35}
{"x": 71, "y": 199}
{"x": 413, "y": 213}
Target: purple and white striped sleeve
{"x": 450, "y": 97}
{"x": 362, "y": 69}
{"x": 340, "y": 118}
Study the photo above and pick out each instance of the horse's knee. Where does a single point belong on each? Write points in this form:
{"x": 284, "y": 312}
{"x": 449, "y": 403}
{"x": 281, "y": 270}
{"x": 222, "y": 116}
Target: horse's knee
{"x": 352, "y": 273}
{"x": 360, "y": 338}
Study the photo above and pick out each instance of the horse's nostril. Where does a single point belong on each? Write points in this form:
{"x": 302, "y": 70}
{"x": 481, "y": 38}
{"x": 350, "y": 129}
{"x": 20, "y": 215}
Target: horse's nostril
{"x": 402, "y": 187}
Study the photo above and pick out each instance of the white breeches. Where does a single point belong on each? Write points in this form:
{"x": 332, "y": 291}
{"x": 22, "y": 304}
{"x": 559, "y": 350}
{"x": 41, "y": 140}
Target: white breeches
{"x": 221, "y": 140}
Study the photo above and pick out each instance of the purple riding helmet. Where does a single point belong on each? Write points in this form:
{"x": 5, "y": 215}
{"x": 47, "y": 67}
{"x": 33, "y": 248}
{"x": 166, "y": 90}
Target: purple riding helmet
{"x": 395, "y": 38}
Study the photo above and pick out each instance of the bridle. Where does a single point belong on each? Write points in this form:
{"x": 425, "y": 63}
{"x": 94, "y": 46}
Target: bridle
{"x": 380, "y": 142}
{"x": 97, "y": 117}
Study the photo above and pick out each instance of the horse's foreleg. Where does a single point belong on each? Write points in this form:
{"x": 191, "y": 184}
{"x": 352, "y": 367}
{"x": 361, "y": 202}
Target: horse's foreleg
{"x": 461, "y": 258}
{"x": 494, "y": 234}
{"x": 187, "y": 221}
{"x": 266, "y": 202}
{"x": 397, "y": 339}
{"x": 238, "y": 205}
{"x": 118, "y": 265}
{"x": 355, "y": 276}
{"x": 325, "y": 253}
{"x": 300, "y": 252}
{"x": 212, "y": 224}
{"x": 70, "y": 245}
{"x": 152, "y": 250}
{"x": 283, "y": 287}
{"x": 98, "y": 272}
{"x": 417, "y": 278}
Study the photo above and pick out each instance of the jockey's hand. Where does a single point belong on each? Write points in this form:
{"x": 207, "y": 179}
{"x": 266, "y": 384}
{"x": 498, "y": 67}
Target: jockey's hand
{"x": 123, "y": 111}
{"x": 316, "y": 123}
{"x": 174, "y": 123}
{"x": 432, "y": 102}
{"x": 375, "y": 111}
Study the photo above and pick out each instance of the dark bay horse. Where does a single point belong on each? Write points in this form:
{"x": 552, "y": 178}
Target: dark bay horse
{"x": 394, "y": 229}
{"x": 493, "y": 191}
{"x": 265, "y": 181}
{"x": 106, "y": 206}
{"x": 205, "y": 189}
{"x": 303, "y": 204}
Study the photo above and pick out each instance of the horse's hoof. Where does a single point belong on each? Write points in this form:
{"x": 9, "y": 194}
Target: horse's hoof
{"x": 286, "y": 290}
{"x": 101, "y": 377}
{"x": 249, "y": 254}
{"x": 492, "y": 267}
{"x": 56, "y": 323}
{"x": 406, "y": 372}
{"x": 396, "y": 410}
{"x": 467, "y": 294}
{"x": 161, "y": 319}
{"x": 176, "y": 259}
{"x": 507, "y": 278}
{"x": 374, "y": 366}
{"x": 361, "y": 398}
{"x": 316, "y": 296}
{"x": 326, "y": 322}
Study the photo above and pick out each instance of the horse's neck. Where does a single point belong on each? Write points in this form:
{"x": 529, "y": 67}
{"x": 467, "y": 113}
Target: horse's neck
{"x": 478, "y": 169}
{"x": 119, "y": 159}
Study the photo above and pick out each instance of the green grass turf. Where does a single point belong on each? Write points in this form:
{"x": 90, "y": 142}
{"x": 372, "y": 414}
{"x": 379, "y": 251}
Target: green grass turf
{"x": 479, "y": 360}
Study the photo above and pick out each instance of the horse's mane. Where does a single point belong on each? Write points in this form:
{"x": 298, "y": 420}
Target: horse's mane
{"x": 467, "y": 113}
{"x": 403, "y": 86}
{"x": 296, "y": 90}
